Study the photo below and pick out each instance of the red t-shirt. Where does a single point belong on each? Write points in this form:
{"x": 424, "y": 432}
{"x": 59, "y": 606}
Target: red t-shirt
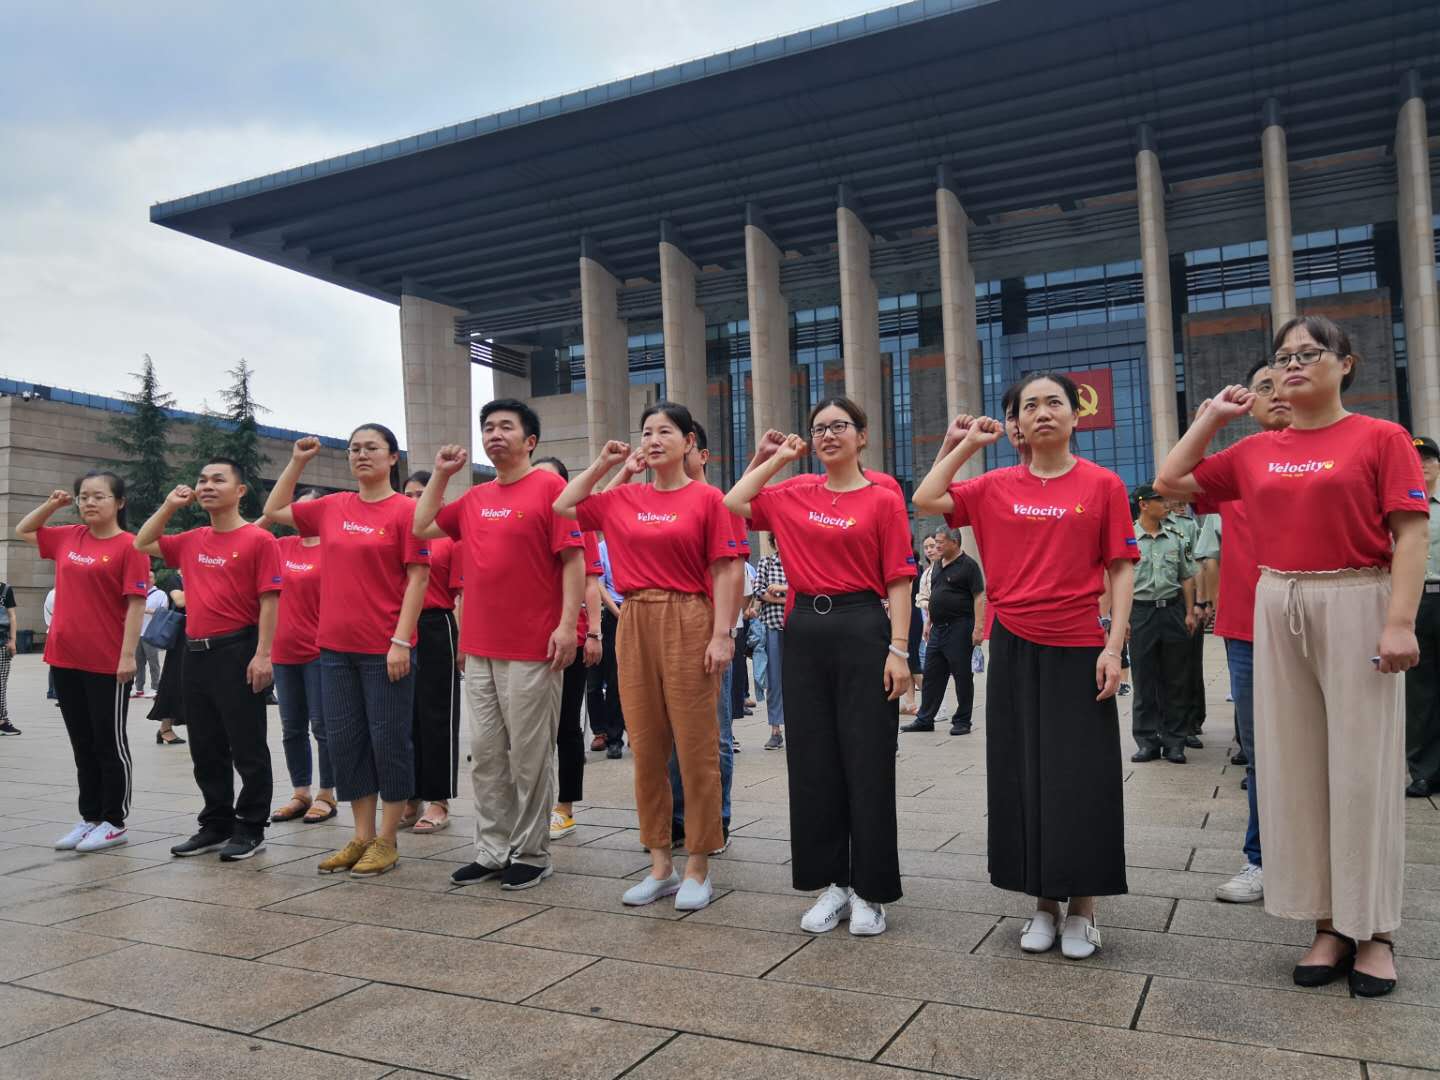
{"x": 1331, "y": 486}
{"x": 1046, "y": 546}
{"x": 511, "y": 540}
{"x": 662, "y": 539}
{"x": 1239, "y": 573}
{"x": 858, "y": 541}
{"x": 224, "y": 575}
{"x": 368, "y": 546}
{"x": 299, "y": 621}
{"x": 93, "y": 581}
{"x": 880, "y": 479}
{"x": 593, "y": 568}
{"x": 440, "y": 592}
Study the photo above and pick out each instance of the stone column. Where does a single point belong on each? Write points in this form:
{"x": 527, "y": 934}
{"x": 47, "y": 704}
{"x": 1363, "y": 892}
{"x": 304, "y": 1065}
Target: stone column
{"x": 1414, "y": 222}
{"x": 860, "y": 327}
{"x": 1155, "y": 272}
{"x": 607, "y": 357}
{"x": 964, "y": 377}
{"x": 684, "y": 325}
{"x": 1278, "y": 233}
{"x": 437, "y": 383}
{"x": 769, "y": 330}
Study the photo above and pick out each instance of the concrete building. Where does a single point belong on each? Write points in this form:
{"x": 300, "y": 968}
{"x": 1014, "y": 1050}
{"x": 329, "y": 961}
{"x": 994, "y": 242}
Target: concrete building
{"x": 914, "y": 207}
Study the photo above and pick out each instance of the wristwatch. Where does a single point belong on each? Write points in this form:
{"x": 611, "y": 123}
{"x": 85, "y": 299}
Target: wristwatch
{"x": 594, "y": 636}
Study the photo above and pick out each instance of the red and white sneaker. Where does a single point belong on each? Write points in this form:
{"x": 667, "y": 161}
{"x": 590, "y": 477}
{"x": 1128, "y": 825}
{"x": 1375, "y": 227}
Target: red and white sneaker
{"x": 81, "y": 830}
{"x": 103, "y": 836}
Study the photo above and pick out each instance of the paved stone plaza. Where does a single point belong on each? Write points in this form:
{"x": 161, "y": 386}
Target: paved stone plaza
{"x": 134, "y": 964}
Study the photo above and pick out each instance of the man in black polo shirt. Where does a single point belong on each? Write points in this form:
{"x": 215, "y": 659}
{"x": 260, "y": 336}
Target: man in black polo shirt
{"x": 957, "y": 620}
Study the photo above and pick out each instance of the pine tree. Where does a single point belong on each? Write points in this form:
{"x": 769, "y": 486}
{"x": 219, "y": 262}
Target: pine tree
{"x": 207, "y": 442}
{"x": 241, "y": 436}
{"x": 142, "y": 436}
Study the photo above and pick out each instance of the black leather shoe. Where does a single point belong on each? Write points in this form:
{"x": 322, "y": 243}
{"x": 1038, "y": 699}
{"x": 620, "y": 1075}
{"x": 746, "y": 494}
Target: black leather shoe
{"x": 203, "y": 841}
{"x": 917, "y": 725}
{"x": 959, "y": 729}
{"x": 1193, "y": 743}
{"x": 1239, "y": 758}
{"x": 1149, "y": 753}
{"x": 613, "y": 751}
{"x": 1362, "y": 985}
{"x": 1175, "y": 757}
{"x": 1419, "y": 789}
{"x": 1313, "y": 975}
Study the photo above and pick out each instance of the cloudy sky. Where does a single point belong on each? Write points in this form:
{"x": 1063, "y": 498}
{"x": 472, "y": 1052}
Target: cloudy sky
{"x": 111, "y": 107}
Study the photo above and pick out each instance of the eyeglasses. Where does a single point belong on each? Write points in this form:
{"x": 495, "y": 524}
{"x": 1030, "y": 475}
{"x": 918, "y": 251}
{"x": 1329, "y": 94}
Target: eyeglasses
{"x": 835, "y": 427}
{"x": 369, "y": 450}
{"x": 91, "y": 498}
{"x": 1305, "y": 356}
{"x": 1265, "y": 388}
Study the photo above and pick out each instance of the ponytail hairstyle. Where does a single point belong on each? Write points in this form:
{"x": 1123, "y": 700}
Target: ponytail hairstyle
{"x": 393, "y": 443}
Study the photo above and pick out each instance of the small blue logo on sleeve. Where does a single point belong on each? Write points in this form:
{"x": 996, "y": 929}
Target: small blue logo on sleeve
{"x": 909, "y": 560}
{"x": 731, "y": 543}
{"x": 141, "y": 584}
{"x": 275, "y": 580}
{"x": 575, "y": 536}
{"x": 1416, "y": 494}
{"x": 424, "y": 551}
{"x": 1130, "y": 541}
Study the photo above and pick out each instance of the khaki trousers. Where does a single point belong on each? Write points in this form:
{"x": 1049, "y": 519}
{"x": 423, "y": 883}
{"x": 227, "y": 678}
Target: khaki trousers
{"x": 1330, "y": 751}
{"x": 514, "y": 717}
{"x": 670, "y": 701}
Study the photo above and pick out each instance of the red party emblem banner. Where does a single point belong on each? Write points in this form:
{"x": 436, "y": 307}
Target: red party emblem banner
{"x": 1097, "y": 398}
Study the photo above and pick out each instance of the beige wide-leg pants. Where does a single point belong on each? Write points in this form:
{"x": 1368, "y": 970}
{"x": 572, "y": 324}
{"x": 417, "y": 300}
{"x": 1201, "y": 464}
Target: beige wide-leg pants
{"x": 1330, "y": 751}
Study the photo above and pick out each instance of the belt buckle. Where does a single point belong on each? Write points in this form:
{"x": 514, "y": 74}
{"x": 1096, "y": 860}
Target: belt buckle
{"x": 815, "y": 604}
{"x": 1432, "y": 586}
{"x": 1160, "y": 603}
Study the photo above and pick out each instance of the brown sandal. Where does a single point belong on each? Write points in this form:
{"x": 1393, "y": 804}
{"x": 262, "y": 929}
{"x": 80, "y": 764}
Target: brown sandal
{"x": 297, "y": 805}
{"x": 315, "y": 815}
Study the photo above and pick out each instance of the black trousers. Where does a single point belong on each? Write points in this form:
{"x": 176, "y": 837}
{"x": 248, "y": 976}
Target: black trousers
{"x": 1052, "y": 754}
{"x": 841, "y": 759}
{"x": 739, "y": 677}
{"x": 436, "y": 731}
{"x": 1161, "y": 649}
{"x": 1422, "y": 696}
{"x": 947, "y": 656}
{"x": 570, "y": 736}
{"x": 1197, "y": 679}
{"x": 226, "y": 724}
{"x": 602, "y": 687}
{"x": 94, "y": 708}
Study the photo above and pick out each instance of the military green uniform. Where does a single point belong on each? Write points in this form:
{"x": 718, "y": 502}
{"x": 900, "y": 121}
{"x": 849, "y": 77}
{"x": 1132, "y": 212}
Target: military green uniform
{"x": 1160, "y": 642}
{"x": 1189, "y": 528}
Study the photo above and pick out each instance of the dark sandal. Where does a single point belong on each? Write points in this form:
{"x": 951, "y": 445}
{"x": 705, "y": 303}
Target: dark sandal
{"x": 315, "y": 815}
{"x": 291, "y": 810}
{"x": 1363, "y": 985}
{"x": 1313, "y": 975}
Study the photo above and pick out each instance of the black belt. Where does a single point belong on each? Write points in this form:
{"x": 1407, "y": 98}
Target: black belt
{"x": 823, "y": 603}
{"x": 219, "y": 641}
{"x": 1169, "y": 601}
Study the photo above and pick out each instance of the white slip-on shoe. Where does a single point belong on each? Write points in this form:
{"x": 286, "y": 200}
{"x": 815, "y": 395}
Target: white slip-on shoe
{"x": 1245, "y": 887}
{"x": 866, "y": 919}
{"x": 103, "y": 836}
{"x": 1080, "y": 940}
{"x": 74, "y": 836}
{"x": 828, "y": 912}
{"x": 694, "y": 895}
{"x": 651, "y": 889}
{"x": 1039, "y": 933}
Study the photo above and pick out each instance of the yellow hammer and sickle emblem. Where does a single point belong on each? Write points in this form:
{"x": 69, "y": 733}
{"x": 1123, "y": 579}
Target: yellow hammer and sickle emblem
{"x": 1089, "y": 400}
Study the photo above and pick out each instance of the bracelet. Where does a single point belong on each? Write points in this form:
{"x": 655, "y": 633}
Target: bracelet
{"x": 594, "y": 637}
{"x": 902, "y": 653}
{"x": 1112, "y": 652}
{"x": 401, "y": 642}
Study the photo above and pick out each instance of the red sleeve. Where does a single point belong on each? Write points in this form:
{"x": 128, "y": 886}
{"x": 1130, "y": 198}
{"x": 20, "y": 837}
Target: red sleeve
{"x": 719, "y": 533}
{"x": 310, "y": 515}
{"x": 761, "y": 508}
{"x": 742, "y": 535}
{"x": 417, "y": 551}
{"x": 591, "y": 511}
{"x": 172, "y": 549}
{"x": 897, "y": 557}
{"x": 1117, "y": 530}
{"x": 593, "y": 566}
{"x": 1400, "y": 480}
{"x": 137, "y": 573}
{"x": 1219, "y": 474}
{"x": 457, "y": 568}
{"x": 449, "y": 519}
{"x": 50, "y": 537}
{"x": 267, "y": 562}
{"x": 966, "y": 496}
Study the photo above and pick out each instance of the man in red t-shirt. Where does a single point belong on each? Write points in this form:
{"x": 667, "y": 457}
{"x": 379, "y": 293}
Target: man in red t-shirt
{"x": 525, "y": 574}
{"x": 231, "y": 571}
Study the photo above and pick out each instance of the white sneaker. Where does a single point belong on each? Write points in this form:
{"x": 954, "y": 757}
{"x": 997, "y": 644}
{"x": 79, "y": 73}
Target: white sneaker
{"x": 1079, "y": 940}
{"x": 828, "y": 912}
{"x": 1039, "y": 933}
{"x": 694, "y": 895}
{"x": 102, "y": 836}
{"x": 1244, "y": 888}
{"x": 75, "y": 835}
{"x": 651, "y": 889}
{"x": 866, "y": 919}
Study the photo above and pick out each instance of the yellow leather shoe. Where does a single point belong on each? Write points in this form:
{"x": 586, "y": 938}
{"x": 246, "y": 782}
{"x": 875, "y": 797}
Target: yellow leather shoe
{"x": 379, "y": 858}
{"x": 344, "y": 859}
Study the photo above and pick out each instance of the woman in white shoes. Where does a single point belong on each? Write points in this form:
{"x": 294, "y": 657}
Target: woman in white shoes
{"x": 100, "y": 586}
{"x": 1050, "y": 531}
{"x": 847, "y": 663}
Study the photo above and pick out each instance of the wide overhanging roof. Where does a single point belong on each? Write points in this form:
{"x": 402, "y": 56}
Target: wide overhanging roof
{"x": 1028, "y": 103}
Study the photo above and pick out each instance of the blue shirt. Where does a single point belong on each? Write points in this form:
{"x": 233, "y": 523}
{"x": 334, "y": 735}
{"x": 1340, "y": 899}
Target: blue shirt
{"x": 607, "y": 579}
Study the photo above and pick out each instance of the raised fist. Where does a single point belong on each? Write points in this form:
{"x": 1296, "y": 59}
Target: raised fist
{"x": 183, "y": 495}
{"x": 614, "y": 452}
{"x": 305, "y": 448}
{"x": 60, "y": 498}
{"x": 450, "y": 459}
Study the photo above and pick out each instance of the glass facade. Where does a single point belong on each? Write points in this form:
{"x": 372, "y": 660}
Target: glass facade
{"x": 727, "y": 355}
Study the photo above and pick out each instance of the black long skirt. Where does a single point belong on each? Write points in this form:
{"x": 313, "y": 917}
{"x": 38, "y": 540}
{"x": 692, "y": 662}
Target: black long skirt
{"x": 1057, "y": 816}
{"x": 169, "y": 693}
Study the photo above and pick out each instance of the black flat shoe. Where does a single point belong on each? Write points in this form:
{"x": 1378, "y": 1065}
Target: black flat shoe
{"x": 1362, "y": 985}
{"x": 1150, "y": 753}
{"x": 1322, "y": 974}
{"x": 160, "y": 740}
{"x": 1239, "y": 758}
{"x": 1418, "y": 789}
{"x": 1193, "y": 743}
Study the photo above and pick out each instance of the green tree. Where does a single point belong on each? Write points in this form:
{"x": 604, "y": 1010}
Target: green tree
{"x": 207, "y": 442}
{"x": 241, "y": 435}
{"x": 142, "y": 436}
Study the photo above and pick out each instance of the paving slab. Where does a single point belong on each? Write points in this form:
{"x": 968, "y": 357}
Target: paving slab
{"x": 29, "y": 1013}
{"x": 28, "y": 950}
{"x": 207, "y": 928}
{"x": 458, "y": 914}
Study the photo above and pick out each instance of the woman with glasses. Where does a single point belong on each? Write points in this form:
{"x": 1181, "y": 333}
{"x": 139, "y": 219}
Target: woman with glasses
{"x": 847, "y": 662}
{"x": 1334, "y": 623}
{"x": 1052, "y": 531}
{"x": 376, "y": 572}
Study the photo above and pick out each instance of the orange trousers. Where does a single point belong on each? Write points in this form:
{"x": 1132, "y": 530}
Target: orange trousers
{"x": 670, "y": 701}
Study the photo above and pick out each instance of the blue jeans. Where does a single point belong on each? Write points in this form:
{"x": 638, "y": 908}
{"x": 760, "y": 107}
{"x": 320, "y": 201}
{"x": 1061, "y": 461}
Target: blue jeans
{"x": 759, "y": 657}
{"x": 727, "y": 756}
{"x": 298, "y": 688}
{"x": 774, "y": 667}
{"x": 1241, "y": 658}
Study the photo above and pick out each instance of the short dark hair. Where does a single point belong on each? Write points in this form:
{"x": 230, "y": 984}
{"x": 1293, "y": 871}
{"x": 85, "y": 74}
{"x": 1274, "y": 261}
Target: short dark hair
{"x": 117, "y": 488}
{"x": 1066, "y": 384}
{"x": 701, "y": 441}
{"x": 1259, "y": 365}
{"x": 309, "y": 493}
{"x": 1327, "y": 333}
{"x": 529, "y": 422}
{"x": 419, "y": 476}
{"x": 1010, "y": 401}
{"x": 235, "y": 467}
{"x": 673, "y": 411}
{"x": 555, "y": 461}
{"x": 390, "y": 441}
{"x": 845, "y": 405}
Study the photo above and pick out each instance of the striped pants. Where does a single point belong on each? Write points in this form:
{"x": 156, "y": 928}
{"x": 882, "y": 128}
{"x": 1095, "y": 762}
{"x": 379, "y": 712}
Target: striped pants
{"x": 368, "y": 722}
{"x": 437, "y": 707}
{"x": 4, "y": 682}
{"x": 94, "y": 708}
